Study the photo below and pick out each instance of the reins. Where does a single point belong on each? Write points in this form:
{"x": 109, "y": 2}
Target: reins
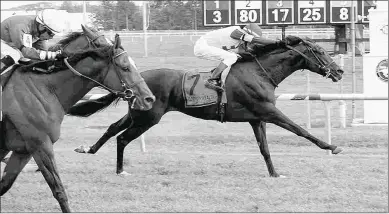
{"x": 127, "y": 93}
{"x": 267, "y": 74}
{"x": 118, "y": 93}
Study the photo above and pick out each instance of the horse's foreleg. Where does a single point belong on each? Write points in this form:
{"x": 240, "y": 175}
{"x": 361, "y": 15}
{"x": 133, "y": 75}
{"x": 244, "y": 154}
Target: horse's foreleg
{"x": 271, "y": 114}
{"x": 123, "y": 140}
{"x": 14, "y": 166}
{"x": 44, "y": 157}
{"x": 260, "y": 135}
{"x": 113, "y": 130}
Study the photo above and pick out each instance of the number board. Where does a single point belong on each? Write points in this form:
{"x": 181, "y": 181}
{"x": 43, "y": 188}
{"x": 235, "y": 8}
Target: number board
{"x": 366, "y": 6}
{"x": 248, "y": 11}
{"x": 280, "y": 12}
{"x": 312, "y": 12}
{"x": 217, "y": 13}
{"x": 284, "y": 12}
{"x": 341, "y": 11}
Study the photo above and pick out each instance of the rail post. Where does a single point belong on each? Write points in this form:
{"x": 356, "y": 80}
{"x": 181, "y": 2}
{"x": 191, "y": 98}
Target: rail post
{"x": 142, "y": 143}
{"x": 144, "y": 9}
{"x": 327, "y": 106}
{"x": 308, "y": 102}
{"x": 342, "y": 103}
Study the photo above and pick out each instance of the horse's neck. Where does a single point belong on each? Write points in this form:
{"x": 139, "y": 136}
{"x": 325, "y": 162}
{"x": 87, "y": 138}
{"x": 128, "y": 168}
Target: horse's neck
{"x": 67, "y": 86}
{"x": 284, "y": 67}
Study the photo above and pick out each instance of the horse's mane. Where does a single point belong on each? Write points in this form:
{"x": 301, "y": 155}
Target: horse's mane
{"x": 68, "y": 38}
{"x": 262, "y": 50}
{"x": 104, "y": 52}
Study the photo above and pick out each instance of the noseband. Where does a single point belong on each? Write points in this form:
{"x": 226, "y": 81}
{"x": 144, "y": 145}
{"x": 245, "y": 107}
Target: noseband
{"x": 319, "y": 63}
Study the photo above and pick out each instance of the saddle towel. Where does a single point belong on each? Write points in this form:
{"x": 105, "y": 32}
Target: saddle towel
{"x": 194, "y": 90}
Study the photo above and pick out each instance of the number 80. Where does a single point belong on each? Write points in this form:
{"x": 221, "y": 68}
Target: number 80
{"x": 248, "y": 16}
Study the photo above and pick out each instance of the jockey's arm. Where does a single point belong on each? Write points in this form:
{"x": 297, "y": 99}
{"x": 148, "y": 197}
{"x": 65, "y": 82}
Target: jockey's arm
{"x": 237, "y": 34}
{"x": 17, "y": 33}
{"x": 41, "y": 45}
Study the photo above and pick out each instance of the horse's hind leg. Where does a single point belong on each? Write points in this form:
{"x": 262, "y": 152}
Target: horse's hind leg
{"x": 260, "y": 135}
{"x": 271, "y": 114}
{"x": 44, "y": 157}
{"x": 14, "y": 166}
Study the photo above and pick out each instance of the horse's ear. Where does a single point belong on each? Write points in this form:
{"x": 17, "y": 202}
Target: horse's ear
{"x": 88, "y": 32}
{"x": 118, "y": 41}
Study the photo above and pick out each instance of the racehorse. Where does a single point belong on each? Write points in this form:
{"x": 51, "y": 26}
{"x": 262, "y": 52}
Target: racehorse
{"x": 250, "y": 89}
{"x": 37, "y": 102}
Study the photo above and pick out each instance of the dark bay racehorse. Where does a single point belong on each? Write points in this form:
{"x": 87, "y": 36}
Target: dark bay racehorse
{"x": 250, "y": 93}
{"x": 36, "y": 102}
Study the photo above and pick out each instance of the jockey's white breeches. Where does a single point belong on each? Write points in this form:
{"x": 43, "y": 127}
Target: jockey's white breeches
{"x": 205, "y": 51}
{"x": 8, "y": 50}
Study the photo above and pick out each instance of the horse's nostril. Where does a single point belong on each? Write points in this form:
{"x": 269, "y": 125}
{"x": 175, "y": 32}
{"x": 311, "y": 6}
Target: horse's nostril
{"x": 150, "y": 99}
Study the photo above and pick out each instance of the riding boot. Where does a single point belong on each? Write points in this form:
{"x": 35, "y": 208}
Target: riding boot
{"x": 6, "y": 61}
{"x": 212, "y": 82}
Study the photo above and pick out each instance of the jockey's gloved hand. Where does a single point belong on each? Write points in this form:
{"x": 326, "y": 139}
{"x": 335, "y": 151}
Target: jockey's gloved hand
{"x": 59, "y": 55}
{"x": 48, "y": 55}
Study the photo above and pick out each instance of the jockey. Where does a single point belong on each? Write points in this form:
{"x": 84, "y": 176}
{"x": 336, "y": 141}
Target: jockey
{"x": 26, "y": 36}
{"x": 223, "y": 45}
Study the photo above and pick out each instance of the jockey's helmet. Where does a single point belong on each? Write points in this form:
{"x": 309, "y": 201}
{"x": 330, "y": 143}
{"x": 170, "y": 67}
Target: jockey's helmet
{"x": 49, "y": 19}
{"x": 253, "y": 29}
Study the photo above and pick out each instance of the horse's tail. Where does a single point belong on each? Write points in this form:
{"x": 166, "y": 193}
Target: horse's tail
{"x": 87, "y": 108}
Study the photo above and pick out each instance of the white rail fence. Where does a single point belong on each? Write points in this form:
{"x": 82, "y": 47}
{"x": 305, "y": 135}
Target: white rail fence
{"x": 314, "y": 33}
{"x": 326, "y": 98}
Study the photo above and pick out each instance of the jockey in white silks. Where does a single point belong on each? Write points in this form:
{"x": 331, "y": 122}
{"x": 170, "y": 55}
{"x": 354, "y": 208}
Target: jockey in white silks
{"x": 223, "y": 44}
{"x": 26, "y": 36}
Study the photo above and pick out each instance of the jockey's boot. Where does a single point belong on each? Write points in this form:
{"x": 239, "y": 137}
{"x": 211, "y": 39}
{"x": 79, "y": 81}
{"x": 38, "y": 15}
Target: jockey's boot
{"x": 6, "y": 61}
{"x": 212, "y": 82}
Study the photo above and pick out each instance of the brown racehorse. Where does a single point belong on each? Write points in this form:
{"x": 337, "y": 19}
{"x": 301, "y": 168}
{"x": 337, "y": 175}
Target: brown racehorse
{"x": 250, "y": 93}
{"x": 36, "y": 103}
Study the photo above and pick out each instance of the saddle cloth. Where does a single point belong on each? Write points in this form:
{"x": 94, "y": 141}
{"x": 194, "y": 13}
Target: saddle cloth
{"x": 194, "y": 90}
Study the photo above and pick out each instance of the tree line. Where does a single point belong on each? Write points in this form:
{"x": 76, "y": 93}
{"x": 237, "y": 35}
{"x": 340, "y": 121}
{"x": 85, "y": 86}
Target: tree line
{"x": 125, "y": 14}
{"x": 119, "y": 15}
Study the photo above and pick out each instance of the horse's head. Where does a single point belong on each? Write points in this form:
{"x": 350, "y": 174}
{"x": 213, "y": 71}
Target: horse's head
{"x": 131, "y": 82}
{"x": 136, "y": 89}
{"x": 318, "y": 60}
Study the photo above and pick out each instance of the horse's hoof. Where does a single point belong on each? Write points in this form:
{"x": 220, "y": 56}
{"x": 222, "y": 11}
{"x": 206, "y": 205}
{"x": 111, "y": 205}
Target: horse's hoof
{"x": 124, "y": 174}
{"x": 337, "y": 150}
{"x": 82, "y": 149}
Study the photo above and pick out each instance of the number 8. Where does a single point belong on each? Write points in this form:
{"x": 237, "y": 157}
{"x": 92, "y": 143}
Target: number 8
{"x": 343, "y": 13}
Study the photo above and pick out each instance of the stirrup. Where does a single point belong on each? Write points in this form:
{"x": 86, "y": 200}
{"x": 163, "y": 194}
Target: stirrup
{"x": 211, "y": 85}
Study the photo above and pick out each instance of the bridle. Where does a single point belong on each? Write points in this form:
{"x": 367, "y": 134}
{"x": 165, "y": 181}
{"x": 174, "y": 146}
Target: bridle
{"x": 319, "y": 63}
{"x": 127, "y": 94}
